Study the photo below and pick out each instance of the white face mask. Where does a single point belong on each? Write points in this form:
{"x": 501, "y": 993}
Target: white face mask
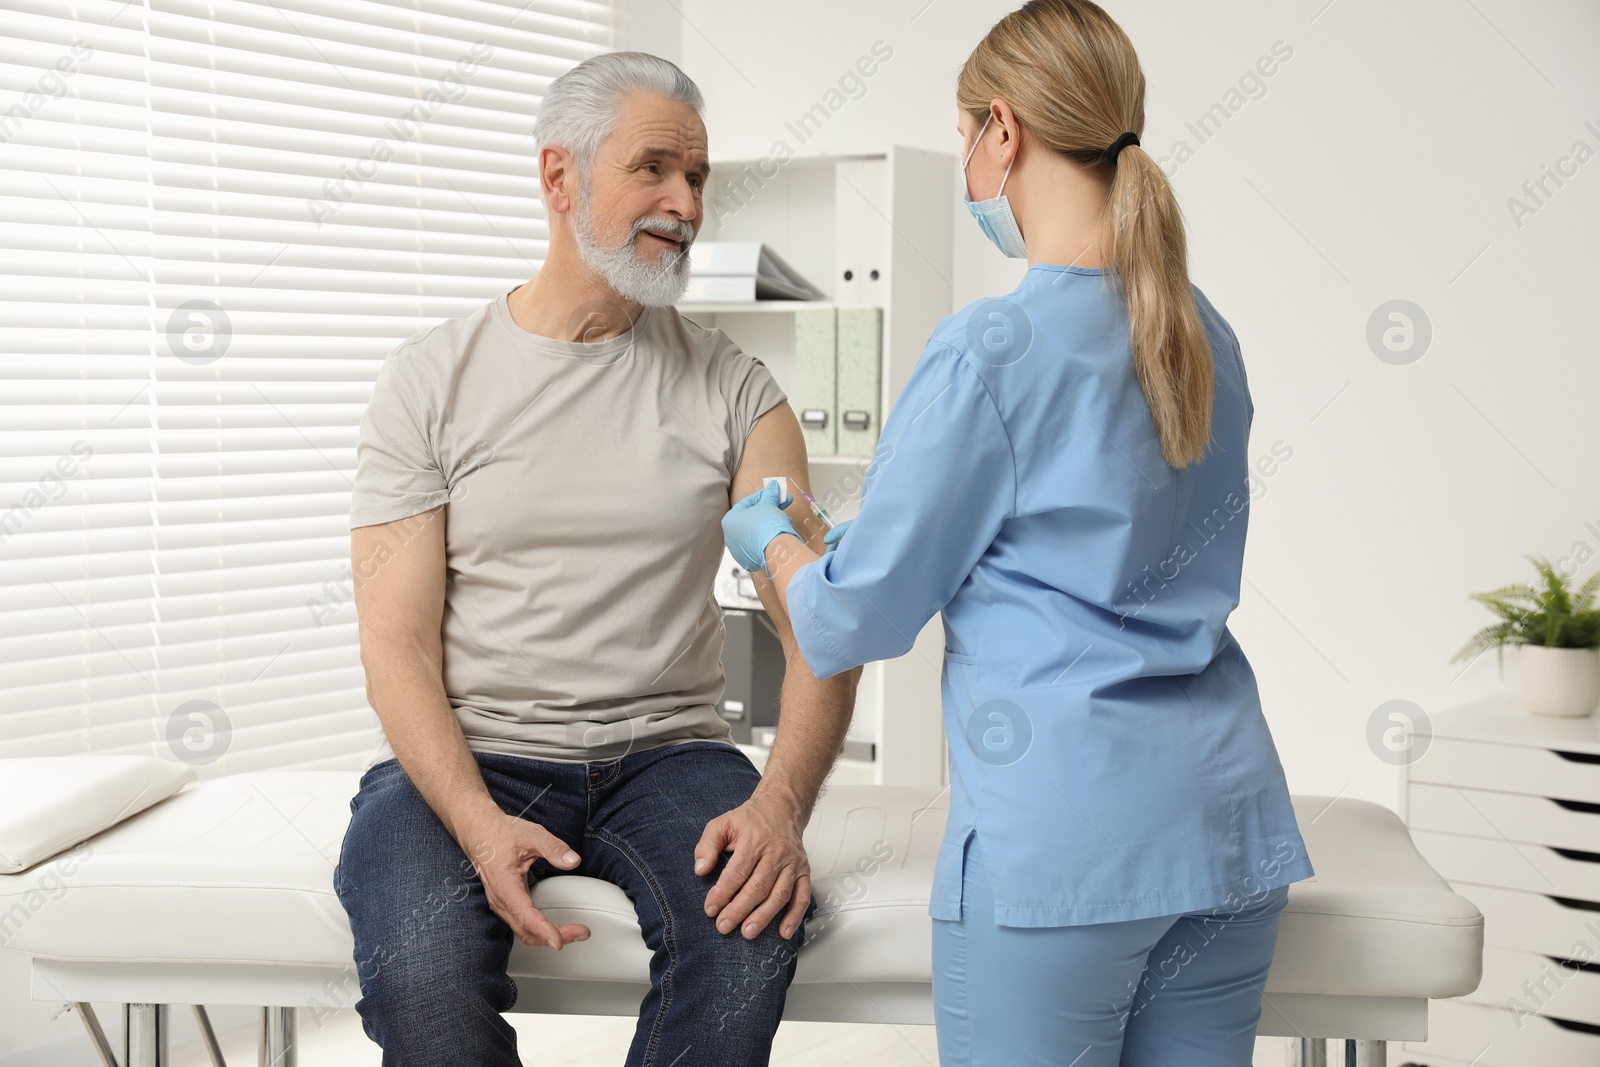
{"x": 994, "y": 215}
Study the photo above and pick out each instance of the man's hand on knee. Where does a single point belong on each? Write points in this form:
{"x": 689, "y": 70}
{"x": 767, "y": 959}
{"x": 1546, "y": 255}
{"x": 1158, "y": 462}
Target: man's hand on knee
{"x": 767, "y": 874}
{"x": 502, "y": 848}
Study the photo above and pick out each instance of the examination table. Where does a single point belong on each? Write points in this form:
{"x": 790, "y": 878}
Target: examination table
{"x": 222, "y": 893}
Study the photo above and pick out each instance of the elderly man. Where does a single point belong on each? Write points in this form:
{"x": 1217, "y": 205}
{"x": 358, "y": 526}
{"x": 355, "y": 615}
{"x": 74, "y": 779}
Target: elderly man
{"x": 544, "y": 653}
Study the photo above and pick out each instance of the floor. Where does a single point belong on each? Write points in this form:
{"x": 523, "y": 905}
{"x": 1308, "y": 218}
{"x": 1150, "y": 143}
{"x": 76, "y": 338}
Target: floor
{"x": 582, "y": 1041}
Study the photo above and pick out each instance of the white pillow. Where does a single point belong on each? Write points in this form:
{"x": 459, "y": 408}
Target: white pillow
{"x": 50, "y": 803}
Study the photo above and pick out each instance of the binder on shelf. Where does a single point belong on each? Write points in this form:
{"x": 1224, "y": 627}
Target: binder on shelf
{"x": 861, "y": 231}
{"x": 816, "y": 368}
{"x": 860, "y": 382}
{"x": 732, "y": 271}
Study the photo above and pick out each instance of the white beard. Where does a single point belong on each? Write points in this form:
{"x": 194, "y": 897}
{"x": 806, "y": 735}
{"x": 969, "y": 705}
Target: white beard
{"x": 624, "y": 269}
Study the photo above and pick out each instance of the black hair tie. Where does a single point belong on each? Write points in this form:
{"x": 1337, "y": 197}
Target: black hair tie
{"x": 1122, "y": 142}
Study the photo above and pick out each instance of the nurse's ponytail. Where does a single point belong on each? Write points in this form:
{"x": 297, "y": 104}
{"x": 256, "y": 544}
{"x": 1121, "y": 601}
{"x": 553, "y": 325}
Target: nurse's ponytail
{"x": 1073, "y": 79}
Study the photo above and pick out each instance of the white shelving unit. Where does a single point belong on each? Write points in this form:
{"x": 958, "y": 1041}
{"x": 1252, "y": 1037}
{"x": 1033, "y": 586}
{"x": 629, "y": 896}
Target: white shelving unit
{"x": 885, "y": 219}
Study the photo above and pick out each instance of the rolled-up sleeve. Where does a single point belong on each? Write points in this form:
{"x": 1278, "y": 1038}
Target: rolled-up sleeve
{"x": 396, "y": 473}
{"x": 942, "y": 482}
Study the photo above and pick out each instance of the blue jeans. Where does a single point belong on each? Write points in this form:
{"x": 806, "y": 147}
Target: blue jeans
{"x": 431, "y": 955}
{"x": 1170, "y": 991}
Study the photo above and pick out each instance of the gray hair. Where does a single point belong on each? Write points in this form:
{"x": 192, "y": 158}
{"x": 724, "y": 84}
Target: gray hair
{"x": 579, "y": 109}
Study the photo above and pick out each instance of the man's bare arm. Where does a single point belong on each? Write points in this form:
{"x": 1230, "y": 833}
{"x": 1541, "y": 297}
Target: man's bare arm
{"x": 769, "y": 872}
{"x": 399, "y": 570}
{"x": 816, "y": 713}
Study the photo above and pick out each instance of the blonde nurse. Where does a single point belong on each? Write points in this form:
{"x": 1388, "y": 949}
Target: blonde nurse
{"x": 1065, "y": 479}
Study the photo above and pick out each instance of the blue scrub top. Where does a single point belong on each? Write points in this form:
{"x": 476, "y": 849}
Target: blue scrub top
{"x": 1105, "y": 731}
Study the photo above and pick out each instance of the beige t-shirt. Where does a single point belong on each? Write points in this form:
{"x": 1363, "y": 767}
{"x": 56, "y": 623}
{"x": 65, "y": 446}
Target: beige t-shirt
{"x": 586, "y": 484}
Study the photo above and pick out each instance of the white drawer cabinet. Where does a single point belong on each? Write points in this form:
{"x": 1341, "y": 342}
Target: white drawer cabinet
{"x": 1506, "y": 806}
{"x": 1471, "y": 1034}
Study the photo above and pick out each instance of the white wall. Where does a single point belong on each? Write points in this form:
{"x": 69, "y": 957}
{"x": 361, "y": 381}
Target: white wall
{"x": 1376, "y": 165}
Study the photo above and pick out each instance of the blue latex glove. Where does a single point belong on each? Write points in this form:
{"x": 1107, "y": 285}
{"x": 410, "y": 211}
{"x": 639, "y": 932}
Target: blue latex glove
{"x": 752, "y": 523}
{"x": 833, "y": 535}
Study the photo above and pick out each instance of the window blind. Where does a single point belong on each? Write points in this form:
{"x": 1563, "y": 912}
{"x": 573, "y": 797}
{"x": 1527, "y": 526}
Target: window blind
{"x": 220, "y": 217}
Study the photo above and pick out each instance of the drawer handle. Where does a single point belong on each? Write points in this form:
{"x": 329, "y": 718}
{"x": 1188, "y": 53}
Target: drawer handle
{"x": 1578, "y": 757}
{"x": 1576, "y": 965}
{"x": 1570, "y": 1024}
{"x": 1577, "y": 905}
{"x": 1577, "y": 854}
{"x": 1585, "y": 806}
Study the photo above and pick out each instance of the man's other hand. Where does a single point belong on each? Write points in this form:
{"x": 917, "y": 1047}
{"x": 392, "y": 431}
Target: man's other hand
{"x": 768, "y": 872}
{"x": 502, "y": 848}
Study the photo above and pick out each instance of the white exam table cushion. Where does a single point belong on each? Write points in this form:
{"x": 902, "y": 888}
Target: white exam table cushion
{"x": 1376, "y": 920}
{"x": 240, "y": 869}
{"x": 50, "y": 803}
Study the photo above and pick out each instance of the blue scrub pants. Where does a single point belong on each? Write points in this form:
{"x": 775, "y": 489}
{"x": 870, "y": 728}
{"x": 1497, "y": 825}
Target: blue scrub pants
{"x": 1161, "y": 992}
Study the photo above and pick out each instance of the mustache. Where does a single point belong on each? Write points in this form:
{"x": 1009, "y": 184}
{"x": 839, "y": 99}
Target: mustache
{"x": 677, "y": 227}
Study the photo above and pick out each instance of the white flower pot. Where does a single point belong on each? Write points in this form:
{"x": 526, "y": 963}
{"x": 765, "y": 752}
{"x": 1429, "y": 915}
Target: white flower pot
{"x": 1558, "y": 681}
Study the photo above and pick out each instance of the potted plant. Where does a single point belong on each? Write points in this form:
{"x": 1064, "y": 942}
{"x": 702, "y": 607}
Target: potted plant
{"x": 1557, "y": 630}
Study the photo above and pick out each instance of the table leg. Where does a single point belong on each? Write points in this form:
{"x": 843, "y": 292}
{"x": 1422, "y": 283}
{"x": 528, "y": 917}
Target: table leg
{"x": 1366, "y": 1053}
{"x": 1308, "y": 1052}
{"x": 278, "y": 1038}
{"x": 147, "y": 1035}
{"x": 97, "y": 1036}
